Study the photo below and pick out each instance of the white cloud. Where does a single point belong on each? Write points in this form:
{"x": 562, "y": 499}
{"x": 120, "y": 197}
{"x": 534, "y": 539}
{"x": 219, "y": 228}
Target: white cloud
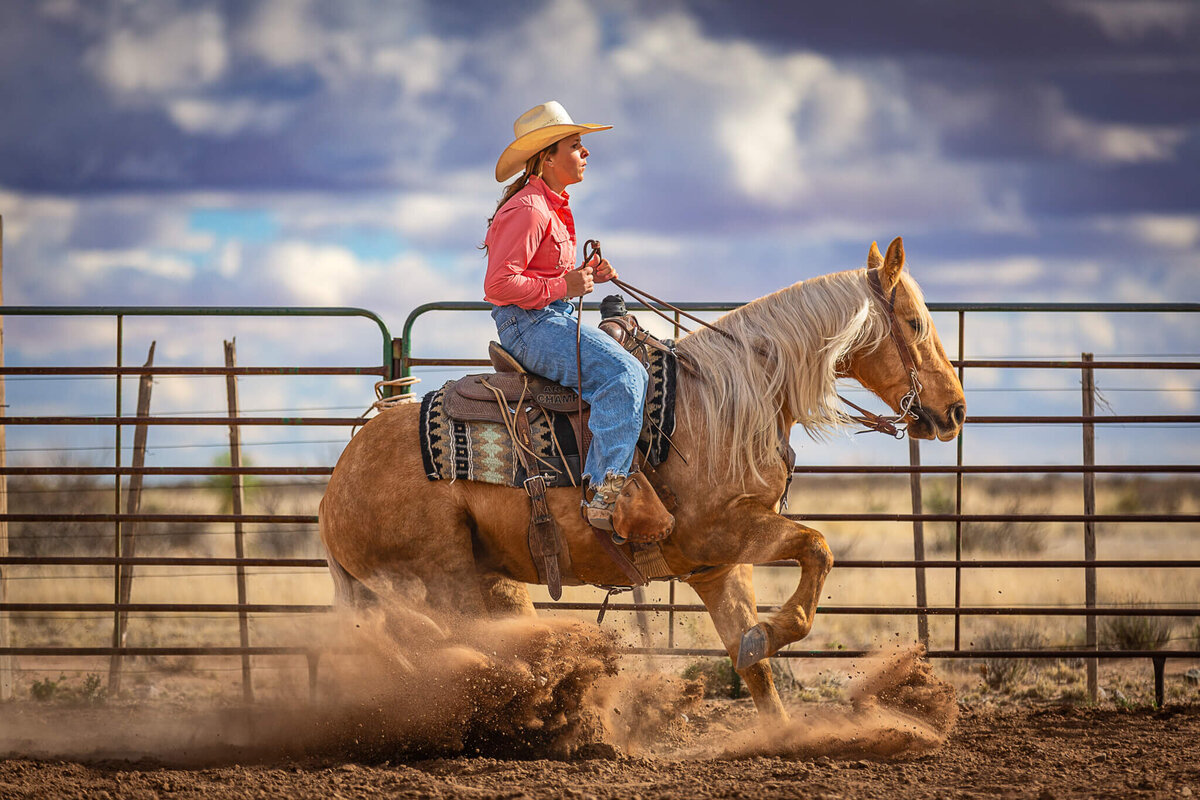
{"x": 1180, "y": 391}
{"x": 229, "y": 262}
{"x": 166, "y": 54}
{"x": 986, "y": 273}
{"x": 282, "y": 34}
{"x": 96, "y": 262}
{"x": 1177, "y": 232}
{"x": 31, "y": 215}
{"x": 1130, "y": 21}
{"x": 432, "y": 214}
{"x": 317, "y": 275}
{"x": 228, "y": 117}
{"x": 644, "y": 245}
{"x": 771, "y": 114}
{"x": 1116, "y": 144}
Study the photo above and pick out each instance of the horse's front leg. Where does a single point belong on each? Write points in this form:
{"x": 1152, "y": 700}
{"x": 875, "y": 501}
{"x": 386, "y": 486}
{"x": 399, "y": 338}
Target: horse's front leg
{"x": 766, "y": 536}
{"x": 728, "y": 594}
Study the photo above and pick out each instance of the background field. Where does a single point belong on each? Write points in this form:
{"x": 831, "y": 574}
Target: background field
{"x": 286, "y": 676}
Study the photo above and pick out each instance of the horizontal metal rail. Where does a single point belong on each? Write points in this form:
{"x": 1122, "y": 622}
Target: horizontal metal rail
{"x": 987, "y": 563}
{"x": 205, "y": 472}
{"x": 1054, "y": 653}
{"x": 224, "y": 422}
{"x": 864, "y": 517}
{"x": 209, "y": 311}
{"x": 909, "y": 611}
{"x": 828, "y": 469}
{"x": 695, "y": 652}
{"x": 205, "y": 371}
{"x": 1144, "y": 419}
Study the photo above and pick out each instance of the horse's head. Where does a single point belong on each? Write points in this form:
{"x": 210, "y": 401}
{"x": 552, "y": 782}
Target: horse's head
{"x": 913, "y": 347}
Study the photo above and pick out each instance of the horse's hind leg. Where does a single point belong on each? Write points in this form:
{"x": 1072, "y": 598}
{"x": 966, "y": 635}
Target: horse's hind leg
{"x": 505, "y": 597}
{"x": 728, "y": 594}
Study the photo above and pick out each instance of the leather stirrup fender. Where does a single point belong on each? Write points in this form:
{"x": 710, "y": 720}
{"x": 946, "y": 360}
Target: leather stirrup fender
{"x": 639, "y": 515}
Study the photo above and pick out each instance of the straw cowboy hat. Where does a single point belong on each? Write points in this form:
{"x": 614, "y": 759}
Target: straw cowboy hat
{"x": 539, "y": 127}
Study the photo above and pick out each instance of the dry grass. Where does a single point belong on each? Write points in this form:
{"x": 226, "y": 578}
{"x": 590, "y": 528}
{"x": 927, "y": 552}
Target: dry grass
{"x": 845, "y": 587}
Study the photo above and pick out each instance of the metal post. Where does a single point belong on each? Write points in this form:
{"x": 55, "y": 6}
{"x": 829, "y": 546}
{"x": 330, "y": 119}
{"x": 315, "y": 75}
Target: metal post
{"x": 6, "y": 662}
{"x": 133, "y": 503}
{"x": 397, "y": 366}
{"x": 314, "y": 661}
{"x": 1160, "y": 667}
{"x": 958, "y": 500}
{"x": 235, "y": 461}
{"x": 671, "y": 616}
{"x": 1089, "y": 527}
{"x": 116, "y": 633}
{"x": 914, "y": 480}
{"x": 643, "y": 618}
{"x": 671, "y": 589}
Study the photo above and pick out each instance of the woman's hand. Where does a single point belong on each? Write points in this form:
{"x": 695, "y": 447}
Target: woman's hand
{"x": 580, "y": 281}
{"x": 604, "y": 272}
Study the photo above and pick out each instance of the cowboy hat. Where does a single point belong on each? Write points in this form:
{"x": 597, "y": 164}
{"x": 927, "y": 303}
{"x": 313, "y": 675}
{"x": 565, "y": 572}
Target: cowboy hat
{"x": 539, "y": 127}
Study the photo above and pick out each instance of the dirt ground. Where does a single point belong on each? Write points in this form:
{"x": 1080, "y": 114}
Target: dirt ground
{"x": 1051, "y": 752}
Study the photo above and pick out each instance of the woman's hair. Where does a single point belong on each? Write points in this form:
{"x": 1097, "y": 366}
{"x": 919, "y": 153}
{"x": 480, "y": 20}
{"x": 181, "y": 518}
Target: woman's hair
{"x": 532, "y": 167}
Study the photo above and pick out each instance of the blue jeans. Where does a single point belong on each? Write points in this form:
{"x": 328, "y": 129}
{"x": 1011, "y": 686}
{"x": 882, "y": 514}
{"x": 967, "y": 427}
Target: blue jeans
{"x": 614, "y": 382}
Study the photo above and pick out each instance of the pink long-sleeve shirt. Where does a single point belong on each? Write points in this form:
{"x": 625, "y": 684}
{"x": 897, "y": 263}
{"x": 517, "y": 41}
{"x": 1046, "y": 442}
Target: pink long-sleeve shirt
{"x": 530, "y": 246}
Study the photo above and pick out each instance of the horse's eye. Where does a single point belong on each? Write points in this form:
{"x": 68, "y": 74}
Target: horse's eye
{"x": 914, "y": 324}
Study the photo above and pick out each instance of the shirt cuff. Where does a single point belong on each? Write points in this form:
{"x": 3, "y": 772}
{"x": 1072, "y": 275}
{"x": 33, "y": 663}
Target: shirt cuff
{"x": 558, "y": 288}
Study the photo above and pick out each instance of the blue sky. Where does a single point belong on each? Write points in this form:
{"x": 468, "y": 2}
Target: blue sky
{"x": 295, "y": 152}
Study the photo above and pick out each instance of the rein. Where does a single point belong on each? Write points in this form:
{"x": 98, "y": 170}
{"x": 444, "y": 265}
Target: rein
{"x": 869, "y": 420}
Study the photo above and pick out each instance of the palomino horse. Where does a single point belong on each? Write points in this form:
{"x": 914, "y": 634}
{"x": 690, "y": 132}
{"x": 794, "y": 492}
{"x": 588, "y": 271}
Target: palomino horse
{"x": 451, "y": 548}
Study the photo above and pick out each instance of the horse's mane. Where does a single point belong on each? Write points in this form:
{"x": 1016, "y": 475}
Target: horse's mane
{"x": 783, "y": 356}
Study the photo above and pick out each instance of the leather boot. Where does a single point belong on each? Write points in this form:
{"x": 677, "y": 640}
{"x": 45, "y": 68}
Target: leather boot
{"x": 599, "y": 510}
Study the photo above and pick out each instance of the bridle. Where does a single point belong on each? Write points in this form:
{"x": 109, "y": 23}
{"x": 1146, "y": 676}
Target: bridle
{"x": 875, "y": 422}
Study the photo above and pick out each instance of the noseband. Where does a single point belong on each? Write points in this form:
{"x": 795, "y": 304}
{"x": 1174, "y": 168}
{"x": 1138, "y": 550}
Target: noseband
{"x": 875, "y": 422}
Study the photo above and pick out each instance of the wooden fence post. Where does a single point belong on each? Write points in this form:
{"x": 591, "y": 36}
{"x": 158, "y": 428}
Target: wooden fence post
{"x": 6, "y": 662}
{"x": 133, "y": 504}
{"x": 1089, "y": 527}
{"x": 918, "y": 526}
{"x": 235, "y": 461}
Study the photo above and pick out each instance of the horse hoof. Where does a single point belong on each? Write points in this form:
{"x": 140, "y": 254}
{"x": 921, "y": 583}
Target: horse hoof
{"x": 753, "y": 648}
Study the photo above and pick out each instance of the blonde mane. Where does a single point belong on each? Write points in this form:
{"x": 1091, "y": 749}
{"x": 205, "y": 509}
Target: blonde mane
{"x": 779, "y": 367}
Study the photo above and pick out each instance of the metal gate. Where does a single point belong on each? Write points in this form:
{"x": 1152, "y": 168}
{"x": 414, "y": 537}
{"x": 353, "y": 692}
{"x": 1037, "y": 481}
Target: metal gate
{"x": 398, "y": 359}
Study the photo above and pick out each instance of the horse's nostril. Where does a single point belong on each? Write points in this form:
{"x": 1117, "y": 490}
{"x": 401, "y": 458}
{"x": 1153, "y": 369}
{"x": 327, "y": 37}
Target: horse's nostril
{"x": 957, "y": 413}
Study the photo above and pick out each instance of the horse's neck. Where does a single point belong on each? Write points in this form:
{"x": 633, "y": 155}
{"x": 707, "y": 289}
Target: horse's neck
{"x": 758, "y": 389}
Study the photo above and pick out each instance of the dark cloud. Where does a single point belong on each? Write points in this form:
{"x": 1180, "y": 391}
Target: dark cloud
{"x": 951, "y": 29}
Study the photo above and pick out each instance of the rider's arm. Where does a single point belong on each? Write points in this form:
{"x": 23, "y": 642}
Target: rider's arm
{"x": 513, "y": 238}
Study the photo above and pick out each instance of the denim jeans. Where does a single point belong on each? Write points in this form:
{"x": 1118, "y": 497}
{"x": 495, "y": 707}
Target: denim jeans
{"x": 614, "y": 382}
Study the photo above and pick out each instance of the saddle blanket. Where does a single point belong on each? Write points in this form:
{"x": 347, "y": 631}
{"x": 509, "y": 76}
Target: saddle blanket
{"x": 483, "y": 451}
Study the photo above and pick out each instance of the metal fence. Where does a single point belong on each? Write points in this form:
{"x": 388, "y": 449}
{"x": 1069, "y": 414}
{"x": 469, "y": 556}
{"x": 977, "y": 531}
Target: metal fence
{"x": 398, "y": 359}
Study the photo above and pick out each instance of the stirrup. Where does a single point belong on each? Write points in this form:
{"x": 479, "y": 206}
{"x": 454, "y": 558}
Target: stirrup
{"x": 598, "y": 517}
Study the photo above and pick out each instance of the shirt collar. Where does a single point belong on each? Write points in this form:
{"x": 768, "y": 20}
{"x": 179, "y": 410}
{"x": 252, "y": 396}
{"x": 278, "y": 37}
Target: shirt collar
{"x": 555, "y": 200}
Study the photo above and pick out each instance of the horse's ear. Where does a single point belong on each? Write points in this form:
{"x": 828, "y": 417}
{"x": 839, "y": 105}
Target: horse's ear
{"x": 893, "y": 264}
{"x": 874, "y": 259}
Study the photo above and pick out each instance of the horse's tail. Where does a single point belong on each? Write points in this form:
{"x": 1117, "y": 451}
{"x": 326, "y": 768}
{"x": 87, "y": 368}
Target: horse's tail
{"x": 348, "y": 591}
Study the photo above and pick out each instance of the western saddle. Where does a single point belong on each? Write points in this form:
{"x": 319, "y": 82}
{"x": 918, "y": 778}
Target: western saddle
{"x": 513, "y": 397}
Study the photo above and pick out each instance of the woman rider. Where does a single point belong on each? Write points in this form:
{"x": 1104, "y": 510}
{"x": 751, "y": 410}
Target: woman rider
{"x": 531, "y": 272}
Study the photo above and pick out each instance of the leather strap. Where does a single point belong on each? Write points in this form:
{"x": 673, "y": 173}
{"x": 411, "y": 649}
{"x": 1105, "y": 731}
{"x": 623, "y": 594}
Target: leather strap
{"x": 545, "y": 543}
{"x": 604, "y": 538}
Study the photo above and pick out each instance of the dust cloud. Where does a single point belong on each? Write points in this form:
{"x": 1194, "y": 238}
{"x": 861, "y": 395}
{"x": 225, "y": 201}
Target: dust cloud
{"x": 898, "y": 708}
{"x": 508, "y": 688}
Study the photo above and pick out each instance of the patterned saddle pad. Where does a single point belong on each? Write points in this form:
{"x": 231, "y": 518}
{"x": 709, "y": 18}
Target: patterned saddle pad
{"x": 483, "y": 451}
